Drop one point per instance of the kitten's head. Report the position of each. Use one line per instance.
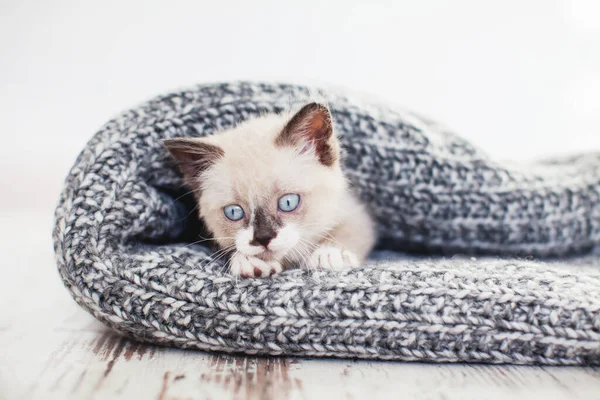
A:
(269, 188)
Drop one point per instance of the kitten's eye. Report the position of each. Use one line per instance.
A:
(289, 202)
(234, 212)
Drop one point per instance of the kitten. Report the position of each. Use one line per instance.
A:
(273, 194)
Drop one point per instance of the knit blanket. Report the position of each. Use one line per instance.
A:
(479, 261)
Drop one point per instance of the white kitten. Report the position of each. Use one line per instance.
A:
(272, 193)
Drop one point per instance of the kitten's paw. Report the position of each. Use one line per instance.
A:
(249, 267)
(350, 259)
(329, 257)
(276, 267)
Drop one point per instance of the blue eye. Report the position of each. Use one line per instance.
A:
(234, 212)
(289, 202)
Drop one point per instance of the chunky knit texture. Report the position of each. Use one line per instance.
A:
(123, 221)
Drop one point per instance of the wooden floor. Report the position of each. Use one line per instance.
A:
(51, 349)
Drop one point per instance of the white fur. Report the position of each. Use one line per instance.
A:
(287, 238)
(242, 242)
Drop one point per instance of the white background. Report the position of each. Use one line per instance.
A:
(519, 78)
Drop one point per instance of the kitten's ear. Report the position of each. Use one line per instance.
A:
(311, 129)
(193, 155)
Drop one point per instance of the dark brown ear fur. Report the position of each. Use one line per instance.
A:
(193, 156)
(312, 127)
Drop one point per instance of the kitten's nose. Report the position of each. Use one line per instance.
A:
(264, 229)
(262, 238)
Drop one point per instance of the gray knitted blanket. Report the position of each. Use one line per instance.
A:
(124, 228)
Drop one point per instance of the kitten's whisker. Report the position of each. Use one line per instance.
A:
(213, 258)
(330, 238)
(227, 264)
(305, 253)
(311, 246)
(215, 254)
(209, 239)
(217, 259)
(218, 255)
(190, 213)
(180, 197)
(223, 250)
(297, 254)
(310, 225)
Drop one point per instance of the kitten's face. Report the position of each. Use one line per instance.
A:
(270, 187)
